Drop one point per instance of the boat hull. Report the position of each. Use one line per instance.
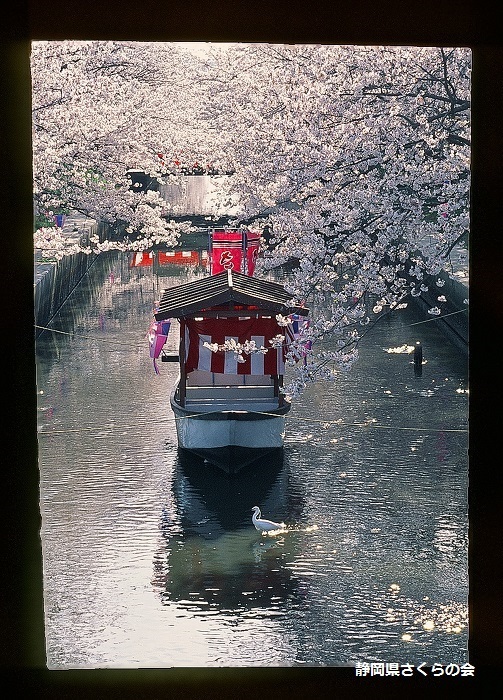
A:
(230, 439)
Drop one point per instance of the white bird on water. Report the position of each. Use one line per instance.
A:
(264, 525)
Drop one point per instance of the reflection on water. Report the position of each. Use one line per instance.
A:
(151, 558)
(211, 555)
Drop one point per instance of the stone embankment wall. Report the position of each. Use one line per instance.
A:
(454, 320)
(55, 280)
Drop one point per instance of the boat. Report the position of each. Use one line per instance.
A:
(228, 405)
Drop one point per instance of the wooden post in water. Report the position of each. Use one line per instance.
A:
(418, 359)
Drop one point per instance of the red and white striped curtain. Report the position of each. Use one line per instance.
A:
(261, 330)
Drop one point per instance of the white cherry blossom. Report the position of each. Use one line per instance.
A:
(353, 161)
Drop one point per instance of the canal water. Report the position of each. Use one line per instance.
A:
(151, 560)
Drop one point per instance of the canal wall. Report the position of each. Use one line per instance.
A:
(453, 320)
(54, 280)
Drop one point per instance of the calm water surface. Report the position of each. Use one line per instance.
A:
(152, 561)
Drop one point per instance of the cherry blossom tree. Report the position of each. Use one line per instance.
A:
(101, 109)
(354, 161)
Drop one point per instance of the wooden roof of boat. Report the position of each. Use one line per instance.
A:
(226, 294)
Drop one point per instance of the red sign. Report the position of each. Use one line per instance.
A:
(180, 257)
(141, 260)
(252, 250)
(226, 251)
(234, 250)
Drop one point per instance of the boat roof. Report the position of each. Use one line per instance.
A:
(227, 293)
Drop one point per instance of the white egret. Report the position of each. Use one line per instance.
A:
(264, 525)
